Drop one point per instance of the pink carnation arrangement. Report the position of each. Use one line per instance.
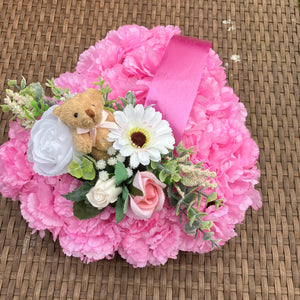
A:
(153, 196)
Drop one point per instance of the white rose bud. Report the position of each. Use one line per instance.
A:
(104, 193)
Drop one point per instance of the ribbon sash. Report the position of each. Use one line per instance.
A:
(103, 124)
(176, 81)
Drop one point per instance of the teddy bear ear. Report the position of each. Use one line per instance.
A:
(57, 111)
(95, 94)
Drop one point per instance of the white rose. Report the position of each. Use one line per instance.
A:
(103, 193)
(51, 145)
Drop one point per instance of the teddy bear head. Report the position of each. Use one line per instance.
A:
(84, 110)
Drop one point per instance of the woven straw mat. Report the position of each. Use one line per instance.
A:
(41, 39)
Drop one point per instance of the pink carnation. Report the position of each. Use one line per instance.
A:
(150, 241)
(16, 171)
(92, 239)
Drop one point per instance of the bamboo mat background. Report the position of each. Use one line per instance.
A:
(41, 39)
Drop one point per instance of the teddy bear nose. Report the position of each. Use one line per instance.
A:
(90, 113)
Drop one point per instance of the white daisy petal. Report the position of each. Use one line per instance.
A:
(143, 158)
(126, 151)
(129, 112)
(134, 161)
(120, 119)
(154, 154)
(149, 115)
(139, 112)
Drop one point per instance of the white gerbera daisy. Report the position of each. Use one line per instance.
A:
(142, 135)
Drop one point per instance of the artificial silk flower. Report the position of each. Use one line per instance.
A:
(104, 193)
(153, 195)
(141, 134)
(50, 147)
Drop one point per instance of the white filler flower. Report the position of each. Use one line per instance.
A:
(142, 135)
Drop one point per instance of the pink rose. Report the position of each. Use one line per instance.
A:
(153, 198)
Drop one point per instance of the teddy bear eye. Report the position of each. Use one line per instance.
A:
(76, 115)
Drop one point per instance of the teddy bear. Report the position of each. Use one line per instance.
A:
(90, 122)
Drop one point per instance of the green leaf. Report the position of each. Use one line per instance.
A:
(208, 236)
(5, 108)
(80, 193)
(119, 106)
(135, 191)
(190, 229)
(212, 197)
(35, 90)
(206, 225)
(119, 209)
(120, 173)
(162, 175)
(86, 165)
(125, 197)
(12, 83)
(192, 220)
(109, 109)
(84, 211)
(190, 197)
(130, 98)
(89, 175)
(176, 177)
(27, 114)
(23, 83)
(74, 169)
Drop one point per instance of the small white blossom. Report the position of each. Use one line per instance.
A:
(235, 58)
(226, 22)
(129, 172)
(120, 157)
(112, 161)
(111, 151)
(103, 175)
(101, 164)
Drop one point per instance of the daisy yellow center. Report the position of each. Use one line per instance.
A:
(139, 137)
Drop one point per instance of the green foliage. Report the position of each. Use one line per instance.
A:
(104, 89)
(79, 194)
(129, 99)
(186, 184)
(82, 167)
(35, 90)
(58, 93)
(28, 104)
(120, 173)
(13, 83)
(122, 204)
(83, 210)
(134, 191)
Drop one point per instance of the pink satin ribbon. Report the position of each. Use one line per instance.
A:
(175, 84)
(102, 124)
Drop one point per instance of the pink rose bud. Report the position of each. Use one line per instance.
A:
(153, 196)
